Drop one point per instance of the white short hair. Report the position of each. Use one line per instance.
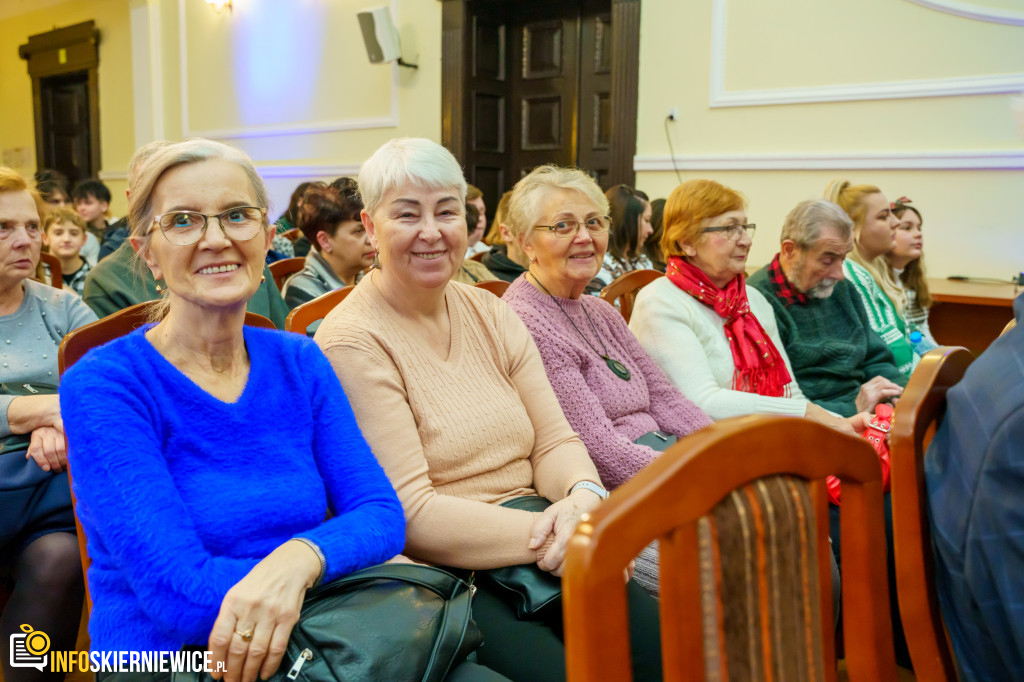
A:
(529, 193)
(409, 160)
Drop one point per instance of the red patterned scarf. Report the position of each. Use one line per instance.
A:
(759, 366)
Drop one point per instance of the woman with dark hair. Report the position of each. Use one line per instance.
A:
(630, 212)
(908, 266)
(341, 251)
(289, 220)
(652, 247)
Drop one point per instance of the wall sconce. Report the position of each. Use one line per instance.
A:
(219, 5)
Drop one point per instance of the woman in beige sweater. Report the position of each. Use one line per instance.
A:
(450, 392)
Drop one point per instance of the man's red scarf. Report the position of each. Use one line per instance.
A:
(759, 366)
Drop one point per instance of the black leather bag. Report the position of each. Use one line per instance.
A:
(20, 442)
(386, 622)
(531, 590)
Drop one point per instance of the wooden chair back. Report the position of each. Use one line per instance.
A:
(56, 275)
(678, 500)
(282, 269)
(479, 256)
(625, 287)
(302, 316)
(919, 411)
(292, 234)
(77, 343)
(495, 286)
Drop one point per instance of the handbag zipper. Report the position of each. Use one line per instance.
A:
(306, 655)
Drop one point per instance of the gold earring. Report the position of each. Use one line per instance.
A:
(263, 278)
(159, 289)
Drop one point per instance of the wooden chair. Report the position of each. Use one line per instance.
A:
(495, 286)
(735, 489)
(302, 316)
(51, 261)
(78, 342)
(625, 287)
(919, 411)
(479, 256)
(292, 234)
(281, 269)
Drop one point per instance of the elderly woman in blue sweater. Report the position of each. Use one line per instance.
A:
(205, 520)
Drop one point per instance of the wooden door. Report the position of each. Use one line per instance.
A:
(545, 86)
(64, 113)
(531, 82)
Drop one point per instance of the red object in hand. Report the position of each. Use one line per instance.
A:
(876, 433)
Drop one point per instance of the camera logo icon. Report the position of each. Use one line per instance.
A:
(29, 649)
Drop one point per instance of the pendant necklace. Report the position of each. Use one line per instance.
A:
(617, 368)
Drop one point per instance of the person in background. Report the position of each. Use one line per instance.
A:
(652, 247)
(506, 259)
(631, 227)
(116, 282)
(330, 220)
(205, 525)
(471, 271)
(289, 220)
(412, 349)
(64, 236)
(906, 259)
(475, 198)
(975, 482)
(53, 188)
(874, 236)
(613, 394)
(38, 545)
(92, 201)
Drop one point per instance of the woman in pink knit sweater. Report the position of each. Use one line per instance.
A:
(613, 394)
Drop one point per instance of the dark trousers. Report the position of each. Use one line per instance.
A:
(899, 640)
(533, 651)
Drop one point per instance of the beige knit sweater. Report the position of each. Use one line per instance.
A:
(456, 435)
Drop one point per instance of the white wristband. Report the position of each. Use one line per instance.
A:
(592, 487)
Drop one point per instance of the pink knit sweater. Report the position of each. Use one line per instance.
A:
(607, 412)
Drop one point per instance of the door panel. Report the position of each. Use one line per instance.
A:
(66, 125)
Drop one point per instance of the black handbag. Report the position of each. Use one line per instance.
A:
(386, 622)
(19, 442)
(530, 589)
(656, 440)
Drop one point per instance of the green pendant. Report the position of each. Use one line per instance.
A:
(617, 368)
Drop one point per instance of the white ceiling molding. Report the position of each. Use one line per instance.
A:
(304, 128)
(719, 96)
(873, 160)
(969, 10)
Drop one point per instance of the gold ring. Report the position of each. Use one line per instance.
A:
(246, 635)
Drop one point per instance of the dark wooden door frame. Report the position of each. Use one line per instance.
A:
(63, 51)
(456, 42)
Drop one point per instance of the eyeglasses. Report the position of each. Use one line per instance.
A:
(733, 232)
(184, 228)
(567, 229)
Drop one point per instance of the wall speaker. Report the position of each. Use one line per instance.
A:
(380, 35)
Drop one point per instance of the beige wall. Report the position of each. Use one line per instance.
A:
(115, 80)
(288, 82)
(746, 55)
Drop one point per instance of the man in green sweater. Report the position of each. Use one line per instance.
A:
(839, 361)
(116, 283)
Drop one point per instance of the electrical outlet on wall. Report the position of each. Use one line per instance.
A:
(673, 114)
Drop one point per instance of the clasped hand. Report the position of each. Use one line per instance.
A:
(47, 449)
(554, 527)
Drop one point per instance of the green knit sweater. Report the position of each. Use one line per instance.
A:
(830, 344)
(114, 283)
(883, 317)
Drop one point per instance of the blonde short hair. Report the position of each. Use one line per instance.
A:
(529, 193)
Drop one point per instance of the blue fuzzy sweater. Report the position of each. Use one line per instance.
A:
(181, 494)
